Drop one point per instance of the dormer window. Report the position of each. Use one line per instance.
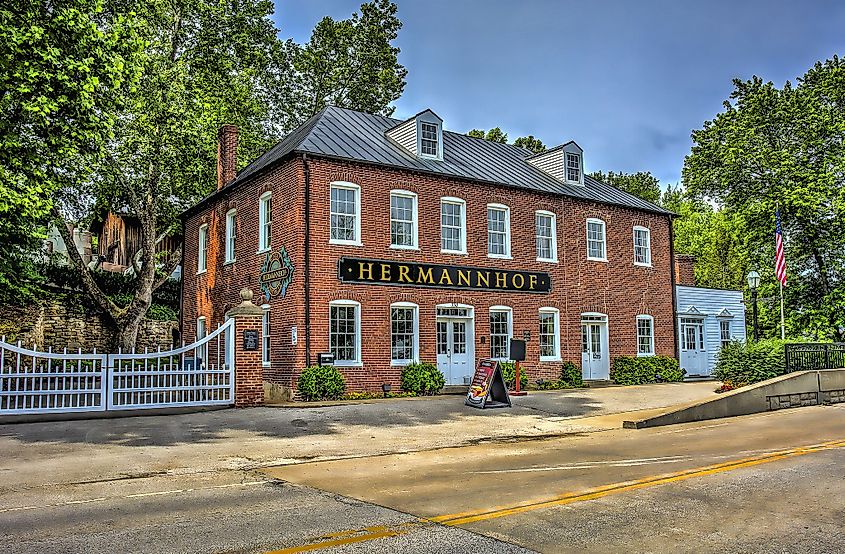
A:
(573, 167)
(428, 139)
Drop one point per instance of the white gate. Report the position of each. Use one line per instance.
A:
(199, 374)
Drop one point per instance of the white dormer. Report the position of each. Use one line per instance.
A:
(565, 163)
(421, 135)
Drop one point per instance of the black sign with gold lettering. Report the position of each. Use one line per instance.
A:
(386, 272)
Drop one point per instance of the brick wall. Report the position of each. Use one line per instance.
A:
(617, 287)
(685, 270)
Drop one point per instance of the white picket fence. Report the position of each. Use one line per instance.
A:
(38, 382)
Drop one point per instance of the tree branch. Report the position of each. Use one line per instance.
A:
(169, 267)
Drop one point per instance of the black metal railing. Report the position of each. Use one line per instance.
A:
(804, 356)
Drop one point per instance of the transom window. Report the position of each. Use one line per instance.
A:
(500, 332)
(202, 249)
(546, 231)
(345, 214)
(403, 333)
(453, 225)
(642, 246)
(453, 312)
(498, 231)
(645, 335)
(573, 167)
(596, 248)
(265, 336)
(345, 331)
(549, 334)
(403, 219)
(428, 139)
(725, 332)
(231, 234)
(265, 221)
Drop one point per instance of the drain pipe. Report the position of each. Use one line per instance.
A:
(674, 281)
(307, 252)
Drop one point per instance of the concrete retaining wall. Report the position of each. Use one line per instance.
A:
(802, 388)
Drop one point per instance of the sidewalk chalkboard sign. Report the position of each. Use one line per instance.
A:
(488, 388)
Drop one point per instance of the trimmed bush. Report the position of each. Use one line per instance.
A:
(422, 378)
(743, 363)
(630, 370)
(570, 375)
(321, 382)
(509, 373)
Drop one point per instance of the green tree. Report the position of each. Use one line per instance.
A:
(493, 135)
(642, 183)
(784, 147)
(64, 67)
(534, 144)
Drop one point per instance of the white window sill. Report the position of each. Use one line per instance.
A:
(201, 271)
(266, 364)
(456, 252)
(400, 247)
(348, 364)
(596, 259)
(547, 260)
(641, 265)
(550, 358)
(346, 242)
(263, 250)
(229, 262)
(400, 363)
(500, 256)
(645, 354)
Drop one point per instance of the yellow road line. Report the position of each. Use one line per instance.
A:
(462, 518)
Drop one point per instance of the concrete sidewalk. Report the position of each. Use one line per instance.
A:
(38, 454)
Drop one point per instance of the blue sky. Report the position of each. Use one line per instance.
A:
(628, 80)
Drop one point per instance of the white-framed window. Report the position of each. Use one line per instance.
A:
(573, 167)
(231, 234)
(645, 335)
(265, 335)
(403, 219)
(201, 352)
(596, 240)
(429, 140)
(265, 221)
(725, 332)
(345, 332)
(498, 231)
(545, 224)
(642, 246)
(202, 249)
(345, 225)
(404, 333)
(501, 331)
(549, 334)
(453, 225)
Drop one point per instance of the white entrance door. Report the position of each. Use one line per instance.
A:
(595, 361)
(693, 354)
(455, 352)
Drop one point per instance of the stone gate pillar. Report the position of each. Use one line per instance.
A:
(249, 372)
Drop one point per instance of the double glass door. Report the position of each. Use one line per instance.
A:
(595, 362)
(453, 350)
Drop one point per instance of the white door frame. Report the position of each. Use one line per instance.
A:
(455, 375)
(590, 368)
(693, 360)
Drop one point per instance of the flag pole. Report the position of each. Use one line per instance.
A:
(782, 325)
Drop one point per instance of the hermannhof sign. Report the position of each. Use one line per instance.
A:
(386, 272)
(276, 274)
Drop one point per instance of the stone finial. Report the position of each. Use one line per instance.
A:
(246, 294)
(246, 307)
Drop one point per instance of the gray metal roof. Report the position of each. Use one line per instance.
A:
(357, 136)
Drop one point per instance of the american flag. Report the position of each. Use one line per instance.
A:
(780, 259)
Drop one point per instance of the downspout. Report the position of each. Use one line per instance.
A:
(307, 252)
(674, 281)
(182, 290)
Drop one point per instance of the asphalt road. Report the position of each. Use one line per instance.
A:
(766, 483)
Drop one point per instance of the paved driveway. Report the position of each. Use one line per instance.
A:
(35, 454)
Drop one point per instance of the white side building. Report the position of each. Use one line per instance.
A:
(707, 319)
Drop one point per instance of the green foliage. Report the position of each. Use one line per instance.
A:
(570, 374)
(497, 135)
(370, 395)
(743, 363)
(508, 370)
(641, 184)
(630, 370)
(534, 144)
(321, 383)
(422, 378)
(781, 146)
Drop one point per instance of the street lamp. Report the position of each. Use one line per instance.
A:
(753, 283)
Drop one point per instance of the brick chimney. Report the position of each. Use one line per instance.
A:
(227, 155)
(685, 270)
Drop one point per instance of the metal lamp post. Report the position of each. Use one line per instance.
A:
(753, 283)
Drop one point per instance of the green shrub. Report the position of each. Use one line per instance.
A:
(630, 370)
(743, 363)
(321, 383)
(369, 395)
(508, 370)
(570, 374)
(422, 378)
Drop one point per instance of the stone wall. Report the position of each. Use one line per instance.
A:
(58, 326)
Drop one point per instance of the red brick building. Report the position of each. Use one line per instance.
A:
(385, 241)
